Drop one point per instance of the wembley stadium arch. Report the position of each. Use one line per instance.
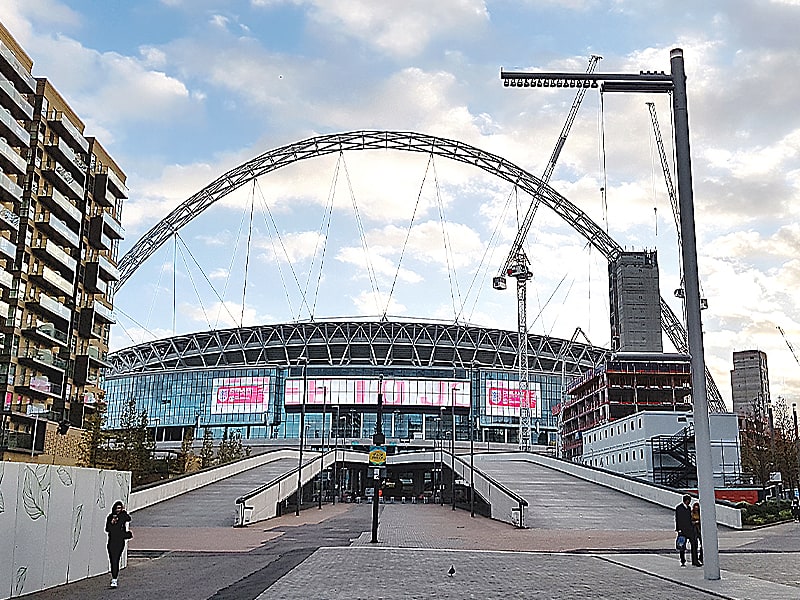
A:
(250, 378)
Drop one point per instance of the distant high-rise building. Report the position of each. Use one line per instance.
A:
(61, 199)
(635, 302)
(750, 382)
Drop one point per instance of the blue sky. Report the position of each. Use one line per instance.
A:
(180, 91)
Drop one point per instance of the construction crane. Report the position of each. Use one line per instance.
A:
(517, 266)
(788, 343)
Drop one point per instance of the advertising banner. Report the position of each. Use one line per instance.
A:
(240, 395)
(503, 398)
(396, 392)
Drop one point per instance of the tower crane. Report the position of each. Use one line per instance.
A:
(788, 343)
(517, 265)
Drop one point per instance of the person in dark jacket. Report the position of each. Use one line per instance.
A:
(698, 532)
(685, 527)
(118, 534)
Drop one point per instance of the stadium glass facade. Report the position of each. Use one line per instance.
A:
(266, 402)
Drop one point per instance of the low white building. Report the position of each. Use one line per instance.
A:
(659, 446)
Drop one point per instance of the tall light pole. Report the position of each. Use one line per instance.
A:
(322, 453)
(674, 83)
(453, 447)
(796, 444)
(378, 439)
(472, 439)
(303, 360)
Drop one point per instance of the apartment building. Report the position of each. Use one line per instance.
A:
(61, 198)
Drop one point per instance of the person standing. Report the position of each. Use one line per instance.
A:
(698, 533)
(118, 534)
(684, 527)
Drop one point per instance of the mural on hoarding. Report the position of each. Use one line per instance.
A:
(240, 395)
(502, 398)
(396, 392)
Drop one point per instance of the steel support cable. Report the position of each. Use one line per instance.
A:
(485, 270)
(325, 228)
(408, 234)
(274, 249)
(153, 301)
(233, 255)
(191, 279)
(135, 322)
(448, 250)
(364, 245)
(381, 140)
(174, 283)
(247, 255)
(604, 189)
(208, 281)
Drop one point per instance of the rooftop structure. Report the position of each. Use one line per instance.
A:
(635, 302)
(750, 382)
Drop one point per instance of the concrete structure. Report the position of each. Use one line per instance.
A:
(658, 446)
(635, 302)
(61, 196)
(750, 382)
(625, 384)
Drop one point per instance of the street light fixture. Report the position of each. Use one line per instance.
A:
(303, 360)
(675, 84)
(453, 447)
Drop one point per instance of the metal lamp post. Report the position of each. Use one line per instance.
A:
(322, 452)
(304, 361)
(796, 444)
(453, 447)
(674, 83)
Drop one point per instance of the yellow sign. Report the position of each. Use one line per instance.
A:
(377, 455)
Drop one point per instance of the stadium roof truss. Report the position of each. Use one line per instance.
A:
(348, 344)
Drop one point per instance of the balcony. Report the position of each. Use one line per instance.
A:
(11, 161)
(14, 133)
(5, 307)
(40, 387)
(51, 253)
(64, 154)
(9, 191)
(102, 312)
(52, 281)
(115, 184)
(7, 248)
(62, 180)
(8, 220)
(6, 279)
(86, 366)
(44, 360)
(92, 282)
(61, 124)
(15, 102)
(52, 307)
(13, 70)
(47, 333)
(62, 206)
(57, 229)
(109, 225)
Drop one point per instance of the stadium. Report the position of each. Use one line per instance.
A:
(434, 377)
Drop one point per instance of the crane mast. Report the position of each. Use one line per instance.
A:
(517, 264)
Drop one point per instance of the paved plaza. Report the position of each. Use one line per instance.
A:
(327, 554)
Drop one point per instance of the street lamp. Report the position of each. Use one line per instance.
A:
(453, 447)
(441, 455)
(796, 443)
(303, 360)
(675, 84)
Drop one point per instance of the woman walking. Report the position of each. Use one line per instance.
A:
(118, 534)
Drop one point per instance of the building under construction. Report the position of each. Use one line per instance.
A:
(626, 383)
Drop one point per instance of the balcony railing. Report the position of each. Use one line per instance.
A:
(6, 279)
(63, 180)
(68, 158)
(13, 130)
(9, 191)
(8, 248)
(54, 307)
(57, 228)
(20, 108)
(11, 160)
(13, 69)
(108, 269)
(52, 280)
(64, 127)
(8, 220)
(52, 250)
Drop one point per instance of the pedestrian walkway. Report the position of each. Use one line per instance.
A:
(327, 554)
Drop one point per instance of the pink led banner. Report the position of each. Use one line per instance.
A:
(503, 398)
(240, 395)
(396, 392)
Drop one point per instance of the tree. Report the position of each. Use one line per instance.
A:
(132, 444)
(186, 457)
(230, 448)
(94, 441)
(785, 443)
(757, 456)
(207, 450)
